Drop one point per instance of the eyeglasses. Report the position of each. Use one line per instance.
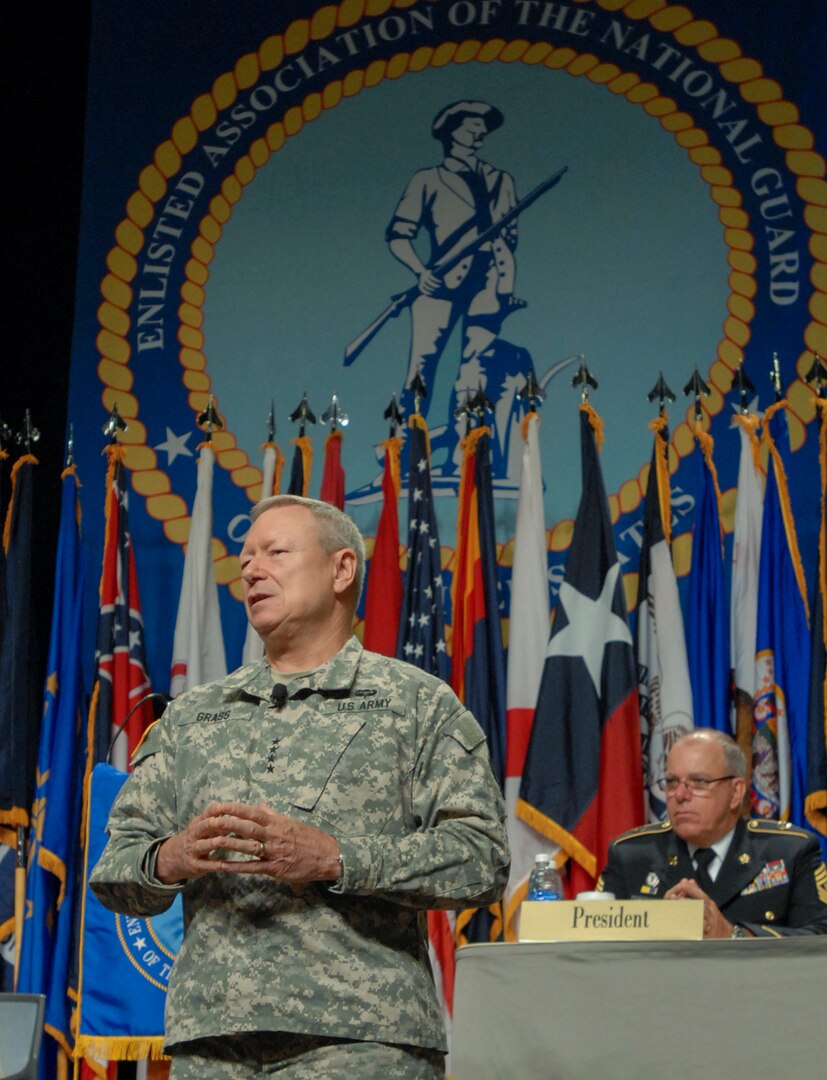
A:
(698, 785)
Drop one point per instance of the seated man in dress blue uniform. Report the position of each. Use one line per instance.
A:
(757, 878)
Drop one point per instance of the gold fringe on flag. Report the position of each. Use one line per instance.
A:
(750, 424)
(16, 816)
(277, 471)
(784, 499)
(122, 1047)
(393, 449)
(465, 916)
(658, 425)
(9, 838)
(115, 455)
(54, 865)
(707, 445)
(416, 420)
(524, 426)
(469, 450)
(64, 1047)
(71, 470)
(596, 422)
(569, 843)
(22, 460)
(306, 447)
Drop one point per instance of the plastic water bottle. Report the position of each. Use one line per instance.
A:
(544, 882)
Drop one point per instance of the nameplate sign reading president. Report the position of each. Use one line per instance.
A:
(611, 920)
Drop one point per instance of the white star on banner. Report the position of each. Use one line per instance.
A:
(592, 625)
(175, 446)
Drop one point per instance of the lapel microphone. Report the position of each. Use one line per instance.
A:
(278, 697)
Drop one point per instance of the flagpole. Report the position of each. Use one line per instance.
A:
(29, 435)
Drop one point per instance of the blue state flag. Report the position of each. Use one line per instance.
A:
(707, 637)
(478, 659)
(782, 655)
(816, 802)
(125, 961)
(54, 837)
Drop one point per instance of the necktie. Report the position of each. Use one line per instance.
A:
(703, 857)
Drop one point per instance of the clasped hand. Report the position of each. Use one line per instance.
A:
(715, 925)
(274, 845)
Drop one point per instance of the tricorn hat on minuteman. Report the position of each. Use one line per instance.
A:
(452, 116)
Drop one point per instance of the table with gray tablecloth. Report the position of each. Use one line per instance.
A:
(558, 1011)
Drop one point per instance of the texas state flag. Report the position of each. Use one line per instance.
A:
(582, 782)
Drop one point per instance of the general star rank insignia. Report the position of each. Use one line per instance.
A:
(673, 860)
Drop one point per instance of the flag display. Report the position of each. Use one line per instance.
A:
(19, 704)
(746, 556)
(660, 646)
(333, 475)
(582, 781)
(54, 838)
(119, 713)
(477, 658)
(421, 642)
(815, 806)
(121, 679)
(528, 631)
(198, 646)
(272, 464)
(707, 619)
(125, 961)
(782, 652)
(301, 466)
(383, 592)
(421, 625)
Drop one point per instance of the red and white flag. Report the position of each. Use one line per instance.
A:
(746, 559)
(198, 646)
(527, 640)
(271, 468)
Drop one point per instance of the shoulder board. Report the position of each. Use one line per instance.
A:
(644, 830)
(777, 828)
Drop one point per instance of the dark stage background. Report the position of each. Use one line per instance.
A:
(43, 76)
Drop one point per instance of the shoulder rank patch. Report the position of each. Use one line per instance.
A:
(777, 828)
(644, 830)
(821, 882)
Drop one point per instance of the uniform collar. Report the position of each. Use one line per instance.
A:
(331, 679)
(720, 847)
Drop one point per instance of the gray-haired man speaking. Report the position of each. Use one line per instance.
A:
(310, 807)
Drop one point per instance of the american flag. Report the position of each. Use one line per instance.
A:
(421, 627)
(422, 642)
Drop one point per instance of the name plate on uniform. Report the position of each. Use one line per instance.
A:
(611, 920)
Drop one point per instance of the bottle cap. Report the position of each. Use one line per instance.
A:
(542, 857)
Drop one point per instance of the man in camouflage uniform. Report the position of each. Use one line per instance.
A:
(310, 807)
(757, 879)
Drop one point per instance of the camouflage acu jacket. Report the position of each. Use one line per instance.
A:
(372, 751)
